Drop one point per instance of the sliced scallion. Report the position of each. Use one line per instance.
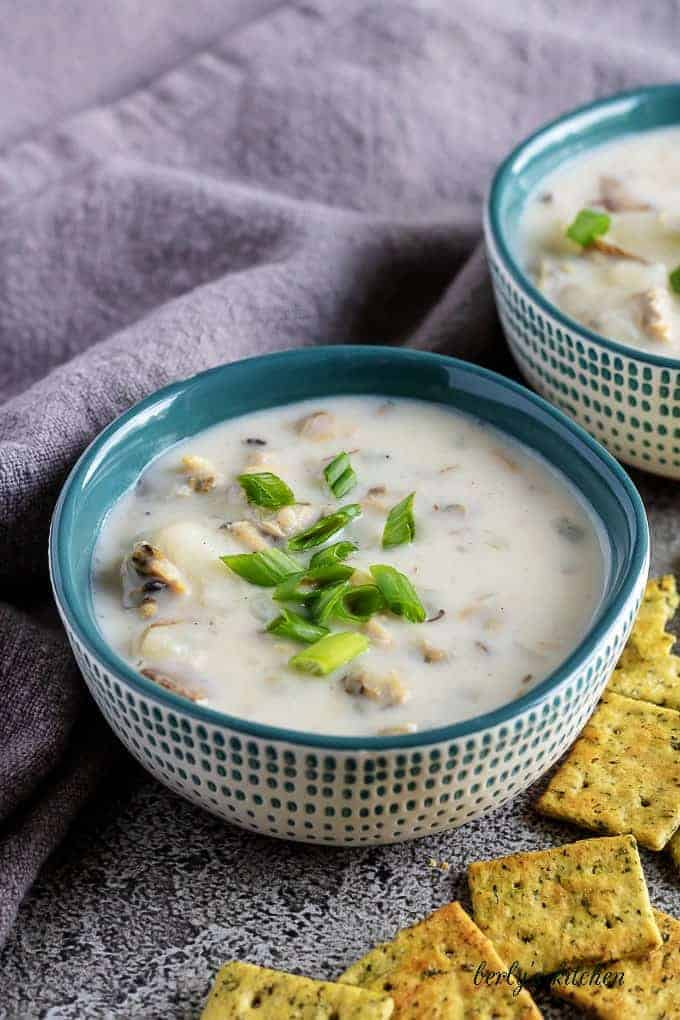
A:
(296, 628)
(674, 279)
(340, 475)
(400, 526)
(399, 594)
(359, 603)
(328, 602)
(324, 528)
(333, 554)
(587, 226)
(304, 586)
(267, 568)
(330, 652)
(265, 489)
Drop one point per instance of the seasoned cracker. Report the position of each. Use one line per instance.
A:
(242, 991)
(647, 988)
(647, 670)
(622, 774)
(581, 902)
(674, 847)
(443, 967)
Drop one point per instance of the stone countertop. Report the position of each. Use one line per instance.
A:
(148, 895)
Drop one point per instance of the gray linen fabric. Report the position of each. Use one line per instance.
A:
(313, 177)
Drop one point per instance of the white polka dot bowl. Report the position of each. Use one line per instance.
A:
(344, 790)
(628, 399)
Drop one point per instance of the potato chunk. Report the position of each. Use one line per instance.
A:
(318, 425)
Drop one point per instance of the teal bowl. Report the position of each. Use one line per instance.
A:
(344, 790)
(626, 398)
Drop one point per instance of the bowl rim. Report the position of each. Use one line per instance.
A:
(494, 229)
(90, 636)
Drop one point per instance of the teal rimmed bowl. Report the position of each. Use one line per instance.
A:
(628, 399)
(344, 790)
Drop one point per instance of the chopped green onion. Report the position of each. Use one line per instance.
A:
(328, 602)
(265, 489)
(304, 586)
(296, 627)
(320, 532)
(340, 475)
(331, 652)
(361, 602)
(587, 226)
(399, 593)
(333, 554)
(400, 526)
(266, 568)
(353, 604)
(674, 279)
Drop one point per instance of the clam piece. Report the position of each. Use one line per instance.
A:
(615, 196)
(170, 684)
(148, 561)
(318, 426)
(613, 250)
(387, 690)
(271, 528)
(378, 632)
(294, 518)
(248, 535)
(202, 473)
(431, 653)
(654, 313)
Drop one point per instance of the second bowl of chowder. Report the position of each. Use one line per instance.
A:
(347, 595)
(583, 239)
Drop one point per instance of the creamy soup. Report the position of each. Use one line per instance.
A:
(617, 276)
(481, 584)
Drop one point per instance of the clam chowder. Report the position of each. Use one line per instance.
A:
(351, 565)
(600, 236)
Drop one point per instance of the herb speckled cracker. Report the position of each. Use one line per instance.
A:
(429, 970)
(585, 901)
(647, 670)
(243, 991)
(650, 987)
(623, 773)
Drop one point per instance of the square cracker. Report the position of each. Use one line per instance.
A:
(439, 969)
(648, 988)
(622, 774)
(581, 902)
(647, 670)
(242, 991)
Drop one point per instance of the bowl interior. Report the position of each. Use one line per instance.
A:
(561, 140)
(116, 458)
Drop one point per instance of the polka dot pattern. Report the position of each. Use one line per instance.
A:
(351, 798)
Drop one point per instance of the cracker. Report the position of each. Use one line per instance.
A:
(647, 670)
(581, 902)
(644, 989)
(438, 969)
(674, 847)
(242, 991)
(622, 774)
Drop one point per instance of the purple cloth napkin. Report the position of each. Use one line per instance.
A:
(314, 177)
